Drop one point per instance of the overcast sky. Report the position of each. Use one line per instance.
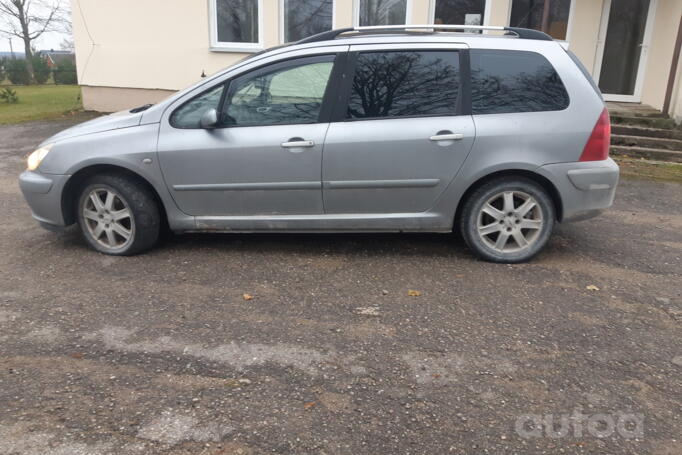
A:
(50, 40)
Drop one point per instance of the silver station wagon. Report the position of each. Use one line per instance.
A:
(495, 132)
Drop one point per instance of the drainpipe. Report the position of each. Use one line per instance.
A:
(673, 70)
(545, 16)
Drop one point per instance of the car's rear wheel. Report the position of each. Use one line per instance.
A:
(118, 215)
(508, 219)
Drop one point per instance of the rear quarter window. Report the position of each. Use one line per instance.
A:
(514, 81)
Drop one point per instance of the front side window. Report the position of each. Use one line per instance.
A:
(458, 12)
(404, 84)
(236, 21)
(189, 114)
(382, 12)
(531, 14)
(514, 81)
(303, 18)
(289, 94)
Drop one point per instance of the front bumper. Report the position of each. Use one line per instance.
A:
(43, 192)
(585, 187)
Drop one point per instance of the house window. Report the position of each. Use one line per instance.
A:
(235, 24)
(303, 18)
(381, 12)
(532, 14)
(459, 12)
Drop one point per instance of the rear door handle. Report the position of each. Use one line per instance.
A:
(297, 144)
(447, 137)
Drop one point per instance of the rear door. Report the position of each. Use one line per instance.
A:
(398, 137)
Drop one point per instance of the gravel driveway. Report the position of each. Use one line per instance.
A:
(350, 344)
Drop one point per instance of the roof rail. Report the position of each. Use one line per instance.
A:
(523, 33)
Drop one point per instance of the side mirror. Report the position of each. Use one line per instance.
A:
(209, 119)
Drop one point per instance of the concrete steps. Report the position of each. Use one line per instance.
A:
(646, 142)
(642, 132)
(648, 122)
(672, 156)
(635, 130)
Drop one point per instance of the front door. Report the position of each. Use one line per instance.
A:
(264, 156)
(398, 140)
(623, 48)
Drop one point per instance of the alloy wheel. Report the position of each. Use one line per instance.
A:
(108, 219)
(510, 221)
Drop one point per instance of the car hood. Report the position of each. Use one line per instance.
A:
(122, 119)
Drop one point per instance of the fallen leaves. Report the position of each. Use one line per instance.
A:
(413, 293)
(591, 287)
(237, 382)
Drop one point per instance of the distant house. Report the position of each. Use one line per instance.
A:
(54, 58)
(7, 54)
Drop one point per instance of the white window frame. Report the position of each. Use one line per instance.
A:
(636, 97)
(356, 12)
(569, 25)
(486, 12)
(281, 19)
(221, 46)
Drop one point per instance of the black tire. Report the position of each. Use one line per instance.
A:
(144, 224)
(473, 206)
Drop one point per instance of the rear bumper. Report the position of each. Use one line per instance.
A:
(43, 192)
(585, 188)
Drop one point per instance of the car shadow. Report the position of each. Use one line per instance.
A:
(362, 244)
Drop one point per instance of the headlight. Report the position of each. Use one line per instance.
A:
(35, 158)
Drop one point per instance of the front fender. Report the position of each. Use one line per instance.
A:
(133, 149)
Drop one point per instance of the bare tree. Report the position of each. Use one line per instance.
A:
(28, 20)
(67, 43)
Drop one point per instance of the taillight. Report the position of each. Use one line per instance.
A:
(597, 147)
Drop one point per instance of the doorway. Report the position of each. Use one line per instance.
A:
(623, 48)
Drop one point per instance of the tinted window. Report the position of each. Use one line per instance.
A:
(188, 115)
(237, 21)
(531, 14)
(286, 95)
(302, 18)
(514, 81)
(402, 84)
(469, 12)
(382, 12)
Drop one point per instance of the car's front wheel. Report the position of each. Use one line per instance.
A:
(508, 219)
(118, 215)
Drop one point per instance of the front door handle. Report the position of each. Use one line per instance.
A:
(447, 137)
(297, 144)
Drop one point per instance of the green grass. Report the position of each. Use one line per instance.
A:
(41, 102)
(650, 170)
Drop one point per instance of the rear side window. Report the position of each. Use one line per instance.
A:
(404, 84)
(514, 81)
